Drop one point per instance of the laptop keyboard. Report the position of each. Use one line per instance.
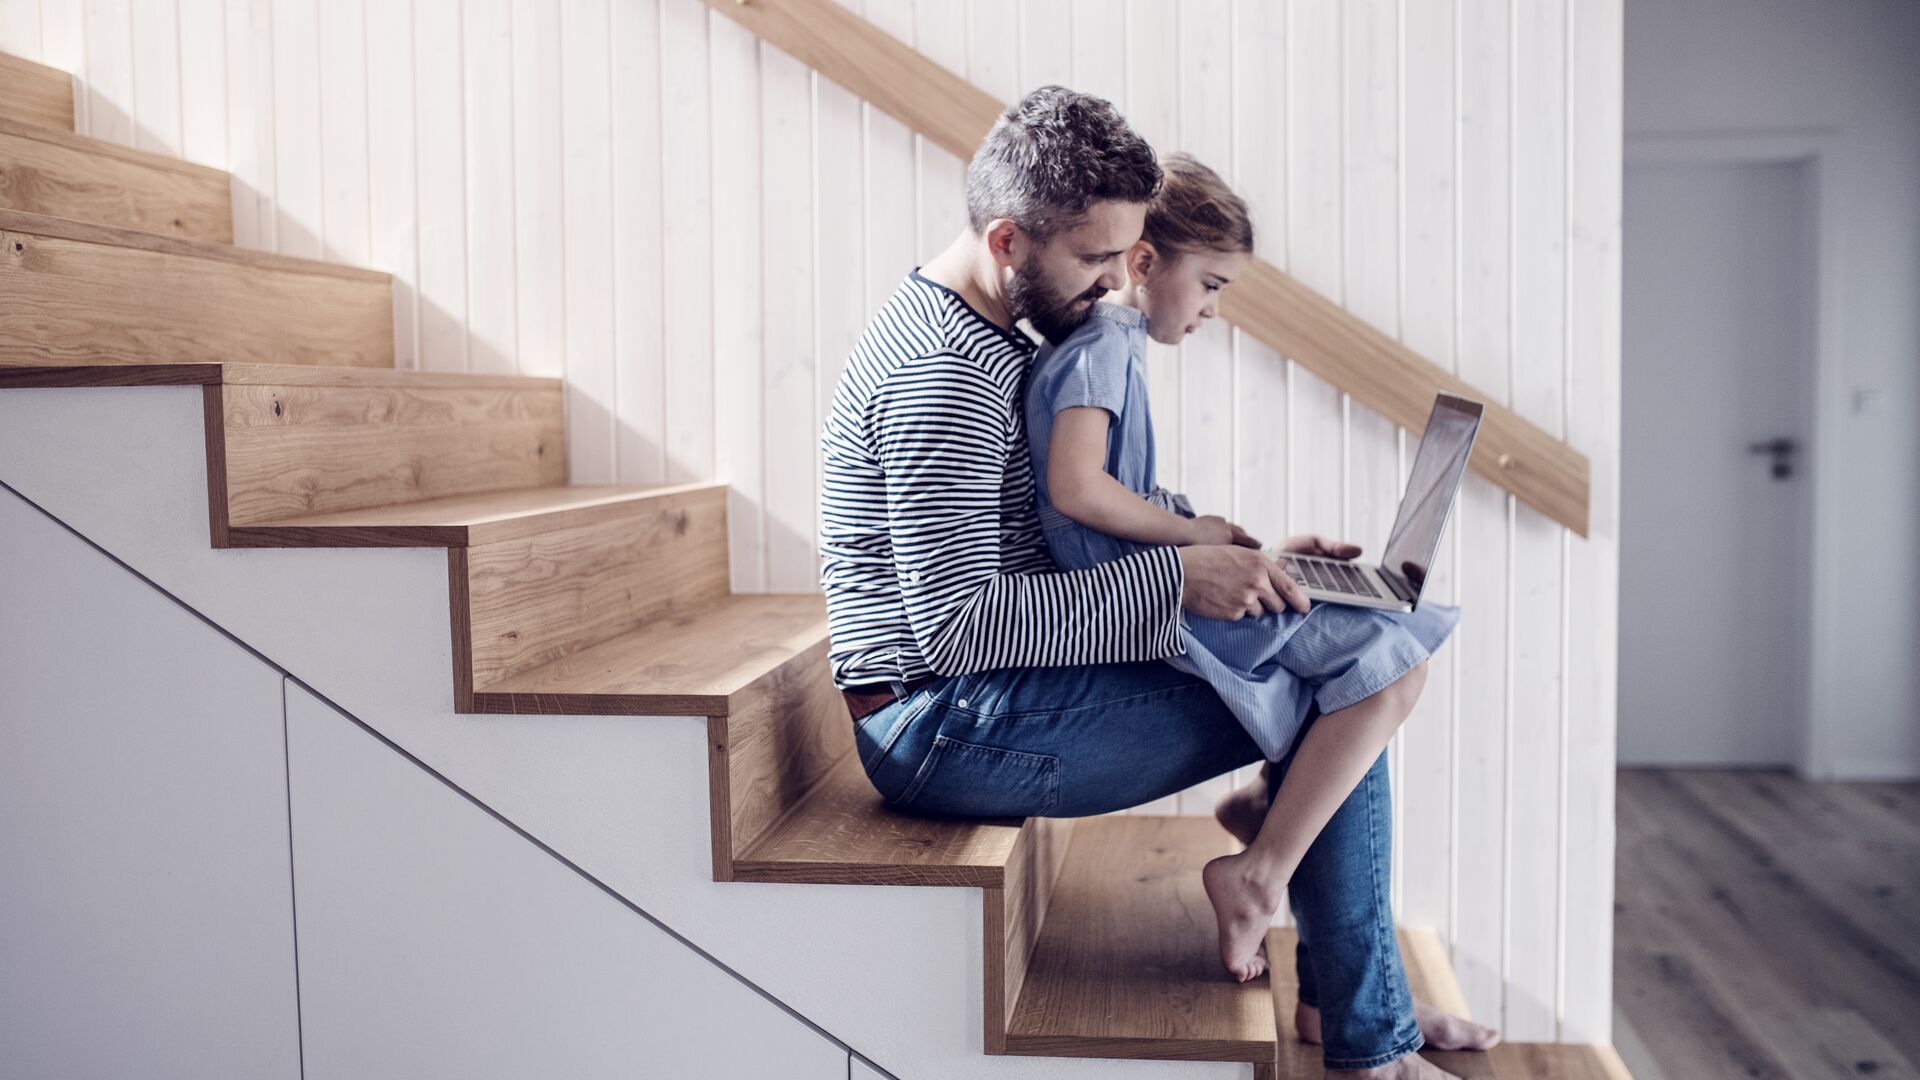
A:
(1330, 575)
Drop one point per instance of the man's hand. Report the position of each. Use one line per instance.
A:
(1229, 582)
(1311, 544)
(1214, 529)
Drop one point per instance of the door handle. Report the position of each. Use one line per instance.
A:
(1781, 449)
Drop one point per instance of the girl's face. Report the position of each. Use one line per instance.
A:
(1182, 292)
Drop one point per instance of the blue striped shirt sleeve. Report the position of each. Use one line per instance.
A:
(945, 431)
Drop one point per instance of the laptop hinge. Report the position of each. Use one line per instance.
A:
(1394, 582)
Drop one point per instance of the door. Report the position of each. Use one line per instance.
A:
(1715, 496)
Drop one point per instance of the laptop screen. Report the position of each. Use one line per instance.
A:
(1437, 467)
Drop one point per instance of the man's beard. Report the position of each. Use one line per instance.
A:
(1030, 298)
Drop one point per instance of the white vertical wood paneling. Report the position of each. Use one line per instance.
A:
(344, 132)
(539, 226)
(1428, 738)
(1539, 208)
(586, 173)
(1315, 253)
(392, 188)
(203, 82)
(1098, 43)
(693, 229)
(20, 28)
(839, 240)
(738, 336)
(1044, 24)
(300, 218)
(493, 322)
(106, 49)
(890, 182)
(440, 171)
(1484, 71)
(788, 274)
(687, 254)
(249, 121)
(639, 268)
(940, 30)
(156, 76)
(1590, 659)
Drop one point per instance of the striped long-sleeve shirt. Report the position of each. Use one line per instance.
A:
(931, 554)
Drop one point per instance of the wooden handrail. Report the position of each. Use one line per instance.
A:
(1268, 303)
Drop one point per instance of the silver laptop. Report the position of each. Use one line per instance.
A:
(1396, 582)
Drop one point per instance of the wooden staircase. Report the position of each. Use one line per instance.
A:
(570, 600)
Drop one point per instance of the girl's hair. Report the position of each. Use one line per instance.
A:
(1195, 210)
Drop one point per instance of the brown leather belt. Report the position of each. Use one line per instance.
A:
(865, 699)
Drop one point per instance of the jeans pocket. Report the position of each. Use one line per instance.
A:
(966, 779)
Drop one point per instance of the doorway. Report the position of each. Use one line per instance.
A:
(1717, 383)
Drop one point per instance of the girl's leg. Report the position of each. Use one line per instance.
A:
(1335, 753)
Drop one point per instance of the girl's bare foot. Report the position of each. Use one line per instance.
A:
(1244, 904)
(1443, 1031)
(1242, 811)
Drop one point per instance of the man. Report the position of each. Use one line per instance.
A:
(948, 619)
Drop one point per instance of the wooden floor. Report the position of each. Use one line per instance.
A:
(1766, 926)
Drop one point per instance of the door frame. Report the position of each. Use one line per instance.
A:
(1815, 148)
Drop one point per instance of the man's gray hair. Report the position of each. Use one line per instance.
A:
(1050, 157)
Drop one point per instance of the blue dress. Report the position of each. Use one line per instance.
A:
(1269, 670)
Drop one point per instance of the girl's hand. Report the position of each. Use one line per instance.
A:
(1210, 529)
(1311, 544)
(1213, 529)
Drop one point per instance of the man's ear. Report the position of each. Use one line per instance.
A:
(1140, 260)
(1006, 242)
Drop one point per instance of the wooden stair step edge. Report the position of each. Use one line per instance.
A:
(51, 171)
(470, 519)
(718, 656)
(618, 609)
(80, 293)
(314, 444)
(35, 93)
(1124, 963)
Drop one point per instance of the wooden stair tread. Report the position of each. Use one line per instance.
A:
(465, 520)
(1126, 964)
(116, 236)
(842, 832)
(35, 93)
(688, 662)
(51, 171)
(217, 372)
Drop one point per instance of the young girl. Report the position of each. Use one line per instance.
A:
(1091, 441)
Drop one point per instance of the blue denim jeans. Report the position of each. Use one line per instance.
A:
(1075, 741)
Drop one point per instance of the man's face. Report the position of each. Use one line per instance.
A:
(1055, 286)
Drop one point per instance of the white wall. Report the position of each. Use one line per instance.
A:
(1836, 79)
(146, 902)
(211, 872)
(692, 228)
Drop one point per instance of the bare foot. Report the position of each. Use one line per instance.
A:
(1443, 1031)
(1405, 1067)
(1244, 905)
(1242, 811)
